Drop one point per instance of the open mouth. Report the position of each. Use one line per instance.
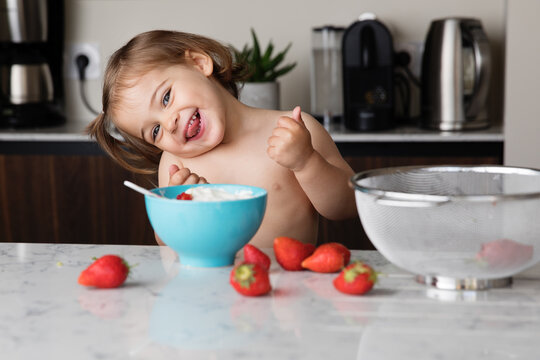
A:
(193, 126)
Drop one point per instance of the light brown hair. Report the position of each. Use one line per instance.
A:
(141, 54)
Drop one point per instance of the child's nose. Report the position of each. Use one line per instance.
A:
(170, 124)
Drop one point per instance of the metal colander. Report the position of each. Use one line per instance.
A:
(455, 226)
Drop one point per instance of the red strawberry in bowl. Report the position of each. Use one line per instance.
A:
(109, 271)
(184, 196)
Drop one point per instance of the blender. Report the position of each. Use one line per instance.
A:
(326, 76)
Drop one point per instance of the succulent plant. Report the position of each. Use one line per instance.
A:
(262, 66)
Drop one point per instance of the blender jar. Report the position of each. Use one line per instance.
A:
(326, 76)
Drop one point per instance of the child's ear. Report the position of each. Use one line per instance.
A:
(202, 61)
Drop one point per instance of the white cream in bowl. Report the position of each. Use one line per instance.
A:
(201, 193)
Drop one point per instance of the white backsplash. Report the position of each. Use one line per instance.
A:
(111, 23)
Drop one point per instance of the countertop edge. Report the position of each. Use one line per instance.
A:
(75, 132)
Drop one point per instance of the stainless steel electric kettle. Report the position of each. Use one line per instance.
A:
(455, 75)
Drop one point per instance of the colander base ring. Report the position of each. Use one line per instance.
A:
(447, 283)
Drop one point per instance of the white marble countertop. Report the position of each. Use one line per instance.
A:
(74, 131)
(70, 131)
(165, 311)
(411, 133)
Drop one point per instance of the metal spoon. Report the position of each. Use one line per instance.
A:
(141, 190)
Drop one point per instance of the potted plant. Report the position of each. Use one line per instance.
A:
(261, 88)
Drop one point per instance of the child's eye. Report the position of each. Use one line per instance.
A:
(155, 132)
(166, 97)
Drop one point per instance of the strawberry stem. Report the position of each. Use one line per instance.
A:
(244, 275)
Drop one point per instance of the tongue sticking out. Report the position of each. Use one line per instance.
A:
(193, 127)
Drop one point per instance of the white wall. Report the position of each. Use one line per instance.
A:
(111, 23)
(522, 125)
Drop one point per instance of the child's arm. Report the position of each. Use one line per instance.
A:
(316, 162)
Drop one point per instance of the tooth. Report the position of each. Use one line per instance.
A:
(194, 117)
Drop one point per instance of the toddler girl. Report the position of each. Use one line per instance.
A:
(172, 97)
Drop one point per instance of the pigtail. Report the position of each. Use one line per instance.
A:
(129, 152)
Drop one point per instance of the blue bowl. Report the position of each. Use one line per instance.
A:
(206, 233)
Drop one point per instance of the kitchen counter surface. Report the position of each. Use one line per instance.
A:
(415, 134)
(74, 131)
(165, 310)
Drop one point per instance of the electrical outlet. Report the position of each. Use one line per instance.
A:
(91, 50)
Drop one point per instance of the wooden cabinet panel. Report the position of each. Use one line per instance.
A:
(82, 199)
(70, 199)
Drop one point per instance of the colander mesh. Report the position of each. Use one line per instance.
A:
(458, 181)
(444, 239)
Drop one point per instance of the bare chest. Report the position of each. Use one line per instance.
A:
(246, 164)
(288, 210)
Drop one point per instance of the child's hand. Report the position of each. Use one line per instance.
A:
(290, 143)
(183, 176)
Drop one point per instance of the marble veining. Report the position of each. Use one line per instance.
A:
(166, 309)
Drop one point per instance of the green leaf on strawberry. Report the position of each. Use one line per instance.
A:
(250, 279)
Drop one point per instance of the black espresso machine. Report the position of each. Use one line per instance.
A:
(31, 51)
(368, 75)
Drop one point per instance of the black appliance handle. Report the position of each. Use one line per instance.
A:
(368, 49)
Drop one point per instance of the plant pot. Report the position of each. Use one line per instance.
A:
(263, 95)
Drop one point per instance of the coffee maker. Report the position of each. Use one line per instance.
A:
(31, 48)
(456, 69)
(368, 75)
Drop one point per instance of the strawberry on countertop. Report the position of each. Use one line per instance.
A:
(109, 271)
(291, 252)
(342, 249)
(250, 279)
(254, 255)
(328, 258)
(357, 278)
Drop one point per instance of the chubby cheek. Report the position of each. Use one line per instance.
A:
(213, 133)
(216, 137)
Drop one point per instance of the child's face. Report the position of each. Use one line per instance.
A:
(178, 109)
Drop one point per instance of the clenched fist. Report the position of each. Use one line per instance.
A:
(290, 142)
(183, 176)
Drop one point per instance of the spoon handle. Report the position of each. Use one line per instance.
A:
(139, 189)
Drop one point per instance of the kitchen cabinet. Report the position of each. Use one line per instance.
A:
(73, 193)
(70, 199)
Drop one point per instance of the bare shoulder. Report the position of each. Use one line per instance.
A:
(167, 159)
(311, 123)
(319, 135)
